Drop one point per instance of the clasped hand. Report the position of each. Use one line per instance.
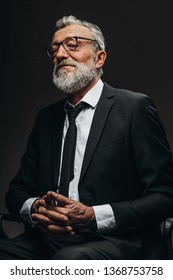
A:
(57, 214)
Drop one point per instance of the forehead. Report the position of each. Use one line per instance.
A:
(72, 30)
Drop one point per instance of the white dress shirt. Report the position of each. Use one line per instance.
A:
(104, 214)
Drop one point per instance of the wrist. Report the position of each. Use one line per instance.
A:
(92, 221)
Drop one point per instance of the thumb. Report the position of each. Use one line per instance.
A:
(61, 199)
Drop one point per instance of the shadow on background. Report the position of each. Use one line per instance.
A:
(139, 47)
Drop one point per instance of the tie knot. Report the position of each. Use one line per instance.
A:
(74, 111)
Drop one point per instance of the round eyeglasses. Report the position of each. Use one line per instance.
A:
(69, 44)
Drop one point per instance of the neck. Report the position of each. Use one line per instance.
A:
(75, 97)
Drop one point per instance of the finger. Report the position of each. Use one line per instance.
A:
(48, 200)
(62, 200)
(42, 202)
(41, 219)
(53, 215)
(59, 209)
(45, 196)
(50, 195)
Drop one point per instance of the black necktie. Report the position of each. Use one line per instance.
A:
(67, 167)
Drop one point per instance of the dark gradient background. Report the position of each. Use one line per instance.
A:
(139, 47)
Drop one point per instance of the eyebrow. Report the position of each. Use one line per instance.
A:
(78, 37)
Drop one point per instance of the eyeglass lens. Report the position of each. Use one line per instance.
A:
(69, 44)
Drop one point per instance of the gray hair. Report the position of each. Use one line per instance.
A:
(95, 30)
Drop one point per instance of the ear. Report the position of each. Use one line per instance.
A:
(100, 58)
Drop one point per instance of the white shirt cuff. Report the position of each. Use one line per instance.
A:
(25, 212)
(105, 218)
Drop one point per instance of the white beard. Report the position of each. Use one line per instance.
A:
(71, 82)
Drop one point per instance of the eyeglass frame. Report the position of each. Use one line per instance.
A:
(61, 43)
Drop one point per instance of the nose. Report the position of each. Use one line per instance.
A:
(60, 54)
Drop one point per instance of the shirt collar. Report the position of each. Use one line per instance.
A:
(93, 95)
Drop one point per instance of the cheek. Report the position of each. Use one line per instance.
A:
(86, 57)
(90, 62)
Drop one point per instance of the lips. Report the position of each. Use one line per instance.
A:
(65, 65)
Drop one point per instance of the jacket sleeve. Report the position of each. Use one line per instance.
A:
(25, 184)
(154, 168)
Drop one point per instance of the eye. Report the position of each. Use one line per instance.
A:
(70, 43)
(54, 48)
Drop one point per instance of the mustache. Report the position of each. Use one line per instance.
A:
(65, 63)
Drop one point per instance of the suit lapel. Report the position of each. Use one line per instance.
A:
(104, 105)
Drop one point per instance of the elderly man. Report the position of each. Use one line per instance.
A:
(96, 179)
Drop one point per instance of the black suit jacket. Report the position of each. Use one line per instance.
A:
(127, 163)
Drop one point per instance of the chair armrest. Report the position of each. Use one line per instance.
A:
(167, 236)
(6, 217)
